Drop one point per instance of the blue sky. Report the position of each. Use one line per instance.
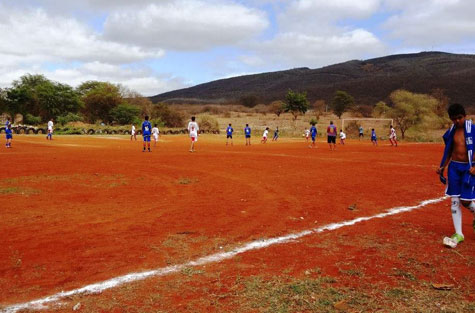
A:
(157, 46)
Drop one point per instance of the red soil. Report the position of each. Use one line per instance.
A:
(79, 210)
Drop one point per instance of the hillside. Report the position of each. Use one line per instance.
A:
(367, 81)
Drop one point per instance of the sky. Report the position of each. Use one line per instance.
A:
(156, 46)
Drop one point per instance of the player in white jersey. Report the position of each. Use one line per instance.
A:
(193, 130)
(264, 135)
(342, 137)
(392, 136)
(307, 134)
(155, 133)
(50, 130)
(133, 134)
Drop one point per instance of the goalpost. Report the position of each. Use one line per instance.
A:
(363, 119)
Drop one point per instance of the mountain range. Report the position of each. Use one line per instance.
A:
(368, 81)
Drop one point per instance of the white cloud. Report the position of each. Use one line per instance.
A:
(296, 49)
(34, 36)
(429, 23)
(186, 25)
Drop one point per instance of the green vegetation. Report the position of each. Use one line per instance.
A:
(341, 102)
(296, 103)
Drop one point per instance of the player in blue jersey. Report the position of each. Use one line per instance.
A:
(458, 156)
(276, 134)
(313, 133)
(9, 135)
(374, 138)
(7, 123)
(247, 134)
(146, 132)
(229, 134)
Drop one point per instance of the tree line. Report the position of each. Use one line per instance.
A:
(39, 99)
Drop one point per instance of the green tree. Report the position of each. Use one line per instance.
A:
(124, 113)
(341, 101)
(296, 103)
(169, 116)
(99, 99)
(38, 96)
(408, 110)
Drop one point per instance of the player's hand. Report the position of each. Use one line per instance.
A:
(441, 170)
(472, 170)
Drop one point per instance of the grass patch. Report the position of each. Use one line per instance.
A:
(187, 180)
(18, 190)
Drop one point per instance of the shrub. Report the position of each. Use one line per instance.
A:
(124, 113)
(32, 120)
(70, 117)
(249, 101)
(170, 117)
(208, 123)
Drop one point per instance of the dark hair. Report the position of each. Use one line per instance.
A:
(313, 123)
(193, 118)
(331, 122)
(247, 125)
(372, 128)
(229, 124)
(146, 117)
(456, 109)
(155, 125)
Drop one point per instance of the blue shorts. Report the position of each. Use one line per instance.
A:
(460, 182)
(146, 137)
(9, 136)
(331, 139)
(229, 136)
(313, 138)
(248, 136)
(374, 139)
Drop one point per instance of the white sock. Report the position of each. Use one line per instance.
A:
(471, 207)
(457, 215)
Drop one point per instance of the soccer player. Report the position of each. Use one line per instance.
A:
(155, 133)
(247, 134)
(307, 134)
(9, 135)
(374, 138)
(264, 135)
(361, 131)
(313, 132)
(133, 135)
(229, 134)
(50, 130)
(193, 130)
(146, 132)
(342, 137)
(458, 155)
(276, 134)
(392, 136)
(7, 123)
(331, 136)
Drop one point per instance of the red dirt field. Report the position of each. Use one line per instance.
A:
(79, 210)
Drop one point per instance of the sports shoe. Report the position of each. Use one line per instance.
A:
(453, 241)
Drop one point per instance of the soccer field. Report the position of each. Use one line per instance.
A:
(263, 228)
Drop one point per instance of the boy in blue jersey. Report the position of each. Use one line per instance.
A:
(9, 135)
(146, 132)
(374, 138)
(7, 123)
(458, 155)
(229, 134)
(276, 134)
(247, 134)
(313, 134)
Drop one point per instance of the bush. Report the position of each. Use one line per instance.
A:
(249, 101)
(208, 123)
(170, 117)
(124, 113)
(70, 117)
(32, 120)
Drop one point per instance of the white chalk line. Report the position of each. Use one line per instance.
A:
(217, 257)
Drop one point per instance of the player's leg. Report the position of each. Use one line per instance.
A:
(454, 190)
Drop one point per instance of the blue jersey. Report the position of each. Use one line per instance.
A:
(8, 133)
(146, 128)
(247, 131)
(373, 134)
(229, 130)
(313, 131)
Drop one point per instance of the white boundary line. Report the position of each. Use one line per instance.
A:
(217, 257)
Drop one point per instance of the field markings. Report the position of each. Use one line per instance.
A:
(99, 287)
